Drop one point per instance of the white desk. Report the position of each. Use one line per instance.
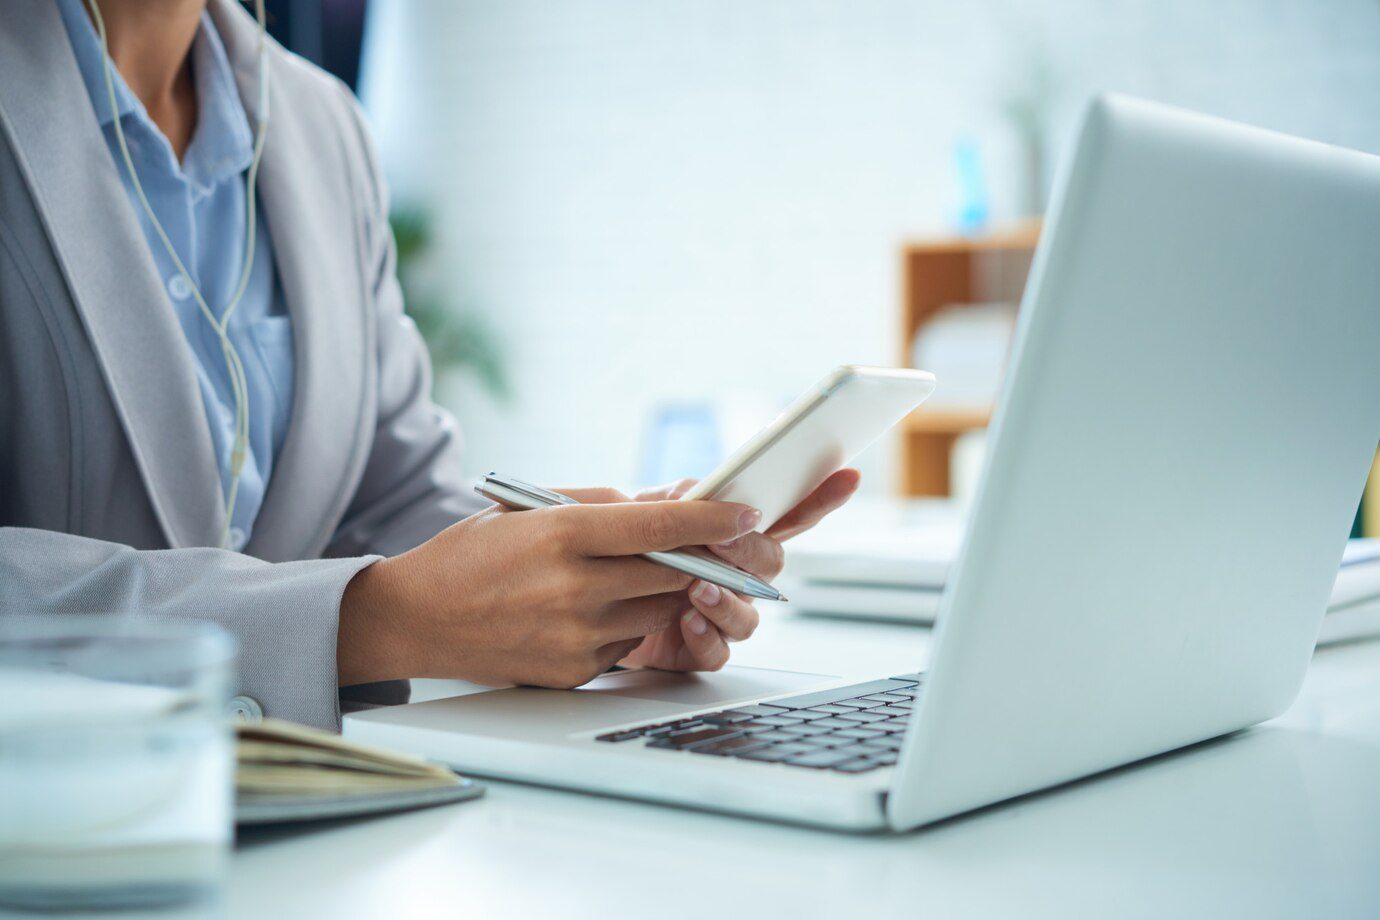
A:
(1281, 821)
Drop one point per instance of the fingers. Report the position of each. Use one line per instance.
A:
(609, 655)
(594, 496)
(629, 528)
(638, 617)
(732, 616)
(704, 648)
(830, 495)
(757, 553)
(669, 491)
(624, 577)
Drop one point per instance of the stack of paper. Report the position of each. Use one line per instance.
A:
(1354, 611)
(876, 559)
(889, 561)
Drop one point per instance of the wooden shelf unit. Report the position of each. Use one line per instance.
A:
(941, 273)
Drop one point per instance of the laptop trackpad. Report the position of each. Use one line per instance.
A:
(694, 691)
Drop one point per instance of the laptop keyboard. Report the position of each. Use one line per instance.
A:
(848, 729)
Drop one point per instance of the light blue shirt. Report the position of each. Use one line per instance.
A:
(201, 204)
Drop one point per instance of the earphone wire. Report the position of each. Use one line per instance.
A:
(234, 366)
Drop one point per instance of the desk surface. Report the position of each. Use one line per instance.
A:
(1279, 821)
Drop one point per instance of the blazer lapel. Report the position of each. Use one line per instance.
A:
(311, 212)
(110, 271)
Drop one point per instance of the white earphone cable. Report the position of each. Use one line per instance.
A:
(234, 367)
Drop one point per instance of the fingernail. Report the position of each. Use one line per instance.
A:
(697, 623)
(706, 593)
(748, 521)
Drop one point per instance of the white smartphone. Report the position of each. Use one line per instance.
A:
(817, 435)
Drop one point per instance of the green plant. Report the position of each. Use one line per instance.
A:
(457, 338)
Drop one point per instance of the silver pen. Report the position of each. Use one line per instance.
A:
(523, 496)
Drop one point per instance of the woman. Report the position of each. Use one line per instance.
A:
(215, 411)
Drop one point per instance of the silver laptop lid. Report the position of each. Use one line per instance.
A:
(1183, 438)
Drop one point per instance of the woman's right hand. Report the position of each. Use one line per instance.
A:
(551, 598)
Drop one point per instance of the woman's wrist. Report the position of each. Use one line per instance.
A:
(370, 640)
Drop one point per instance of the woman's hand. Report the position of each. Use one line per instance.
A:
(712, 616)
(551, 597)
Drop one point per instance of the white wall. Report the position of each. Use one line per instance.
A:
(659, 200)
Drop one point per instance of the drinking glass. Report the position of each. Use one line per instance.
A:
(116, 761)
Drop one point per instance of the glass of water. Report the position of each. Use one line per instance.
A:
(116, 761)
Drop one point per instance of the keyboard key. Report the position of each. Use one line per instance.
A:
(829, 709)
(895, 696)
(772, 734)
(885, 760)
(823, 697)
(868, 747)
(687, 737)
(852, 746)
(761, 709)
(685, 725)
(807, 728)
(858, 765)
(863, 717)
(657, 730)
(893, 711)
(729, 746)
(777, 720)
(864, 702)
(838, 721)
(772, 754)
(808, 715)
(620, 736)
(825, 741)
(751, 727)
(795, 747)
(725, 718)
(819, 759)
(861, 734)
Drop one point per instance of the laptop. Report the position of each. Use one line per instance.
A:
(1182, 439)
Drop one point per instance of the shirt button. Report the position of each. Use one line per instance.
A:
(244, 709)
(237, 538)
(179, 287)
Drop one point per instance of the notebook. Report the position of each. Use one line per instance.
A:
(289, 772)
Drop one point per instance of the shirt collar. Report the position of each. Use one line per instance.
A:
(86, 45)
(222, 143)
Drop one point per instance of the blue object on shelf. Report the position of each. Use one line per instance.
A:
(973, 209)
(682, 440)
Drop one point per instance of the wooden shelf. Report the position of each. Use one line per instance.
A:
(946, 421)
(937, 274)
(1022, 234)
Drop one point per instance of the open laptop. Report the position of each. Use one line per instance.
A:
(1191, 410)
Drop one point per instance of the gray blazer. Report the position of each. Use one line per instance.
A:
(110, 499)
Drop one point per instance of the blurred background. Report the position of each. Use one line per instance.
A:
(633, 229)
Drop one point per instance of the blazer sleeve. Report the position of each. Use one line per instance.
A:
(287, 663)
(412, 487)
